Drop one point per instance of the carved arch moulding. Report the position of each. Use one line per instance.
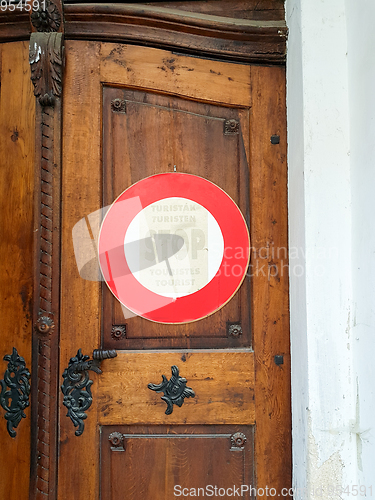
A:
(256, 38)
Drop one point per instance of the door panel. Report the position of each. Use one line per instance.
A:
(154, 69)
(158, 133)
(158, 462)
(223, 384)
(175, 108)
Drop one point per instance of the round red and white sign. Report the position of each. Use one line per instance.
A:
(174, 248)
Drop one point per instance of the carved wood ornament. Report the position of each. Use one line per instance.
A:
(46, 61)
(46, 57)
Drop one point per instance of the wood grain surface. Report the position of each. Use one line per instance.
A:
(158, 459)
(239, 9)
(223, 384)
(80, 299)
(269, 269)
(175, 74)
(17, 143)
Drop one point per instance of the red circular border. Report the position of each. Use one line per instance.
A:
(127, 288)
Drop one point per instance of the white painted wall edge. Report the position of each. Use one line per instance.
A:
(327, 441)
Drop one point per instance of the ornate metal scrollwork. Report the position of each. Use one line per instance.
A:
(175, 390)
(15, 390)
(76, 385)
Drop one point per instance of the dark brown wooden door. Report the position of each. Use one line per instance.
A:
(131, 112)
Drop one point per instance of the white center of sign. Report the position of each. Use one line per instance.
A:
(174, 247)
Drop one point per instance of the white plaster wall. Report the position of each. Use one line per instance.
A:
(361, 44)
(299, 350)
(324, 397)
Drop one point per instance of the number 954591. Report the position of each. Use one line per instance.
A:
(22, 5)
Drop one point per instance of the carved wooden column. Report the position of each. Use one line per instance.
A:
(46, 62)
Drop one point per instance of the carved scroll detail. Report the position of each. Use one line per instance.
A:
(46, 62)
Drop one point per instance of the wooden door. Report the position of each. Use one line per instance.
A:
(131, 112)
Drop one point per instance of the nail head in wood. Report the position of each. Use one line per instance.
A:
(279, 359)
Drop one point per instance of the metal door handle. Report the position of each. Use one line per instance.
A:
(175, 390)
(76, 385)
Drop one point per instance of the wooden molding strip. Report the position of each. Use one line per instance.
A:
(192, 33)
(213, 36)
(14, 26)
(46, 63)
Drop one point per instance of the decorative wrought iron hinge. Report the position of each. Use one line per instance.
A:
(15, 390)
(175, 390)
(76, 385)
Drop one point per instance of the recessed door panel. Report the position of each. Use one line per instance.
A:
(162, 462)
(147, 133)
